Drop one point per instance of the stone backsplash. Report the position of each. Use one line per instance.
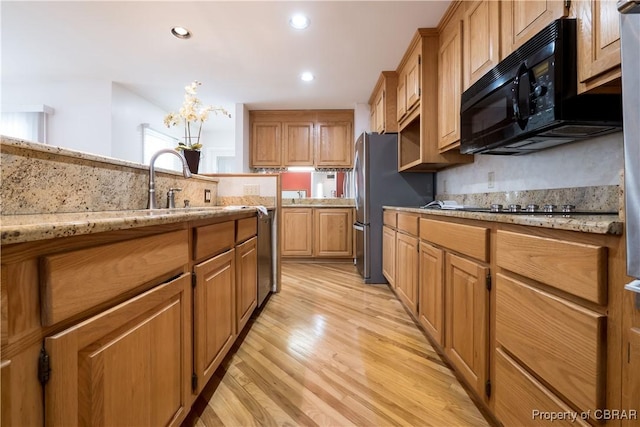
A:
(39, 178)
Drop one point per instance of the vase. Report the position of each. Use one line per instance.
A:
(193, 159)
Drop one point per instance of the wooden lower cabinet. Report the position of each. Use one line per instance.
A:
(521, 400)
(130, 365)
(246, 281)
(297, 232)
(214, 314)
(317, 232)
(467, 319)
(407, 272)
(431, 291)
(389, 254)
(333, 232)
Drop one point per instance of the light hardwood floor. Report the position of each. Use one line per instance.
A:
(331, 351)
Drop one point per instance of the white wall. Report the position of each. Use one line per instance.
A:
(593, 162)
(128, 112)
(243, 156)
(216, 143)
(82, 119)
(361, 119)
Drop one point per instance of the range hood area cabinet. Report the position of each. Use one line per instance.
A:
(317, 138)
(417, 108)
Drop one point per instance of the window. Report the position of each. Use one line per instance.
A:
(28, 122)
(152, 142)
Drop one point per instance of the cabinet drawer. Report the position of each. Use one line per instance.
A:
(408, 223)
(246, 228)
(389, 218)
(519, 397)
(213, 239)
(76, 281)
(576, 268)
(465, 239)
(563, 343)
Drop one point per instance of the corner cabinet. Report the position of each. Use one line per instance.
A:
(417, 107)
(320, 138)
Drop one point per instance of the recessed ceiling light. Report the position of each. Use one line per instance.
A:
(181, 32)
(307, 76)
(299, 21)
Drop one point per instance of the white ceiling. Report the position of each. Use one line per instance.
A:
(242, 51)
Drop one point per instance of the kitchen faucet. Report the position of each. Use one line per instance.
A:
(152, 175)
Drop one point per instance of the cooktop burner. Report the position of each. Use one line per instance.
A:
(566, 210)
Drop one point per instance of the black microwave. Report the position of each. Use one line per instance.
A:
(529, 101)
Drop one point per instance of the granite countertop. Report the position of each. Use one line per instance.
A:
(33, 227)
(597, 224)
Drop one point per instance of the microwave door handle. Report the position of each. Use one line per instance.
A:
(515, 96)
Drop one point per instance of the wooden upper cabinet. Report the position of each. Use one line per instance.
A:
(598, 43)
(266, 144)
(401, 96)
(298, 143)
(413, 79)
(521, 20)
(410, 80)
(383, 103)
(282, 138)
(450, 82)
(481, 35)
(334, 147)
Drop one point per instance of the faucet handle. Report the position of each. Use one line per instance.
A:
(171, 199)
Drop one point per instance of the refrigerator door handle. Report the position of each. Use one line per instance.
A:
(358, 227)
(634, 286)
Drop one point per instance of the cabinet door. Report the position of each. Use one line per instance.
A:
(431, 291)
(297, 232)
(521, 20)
(380, 112)
(450, 85)
(598, 43)
(333, 232)
(467, 319)
(413, 79)
(631, 376)
(481, 39)
(246, 281)
(214, 314)
(407, 272)
(401, 100)
(298, 143)
(334, 144)
(130, 365)
(389, 255)
(266, 144)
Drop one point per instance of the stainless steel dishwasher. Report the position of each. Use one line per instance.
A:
(265, 256)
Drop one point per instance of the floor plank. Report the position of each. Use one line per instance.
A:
(331, 351)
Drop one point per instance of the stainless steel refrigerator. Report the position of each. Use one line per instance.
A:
(630, 52)
(378, 183)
